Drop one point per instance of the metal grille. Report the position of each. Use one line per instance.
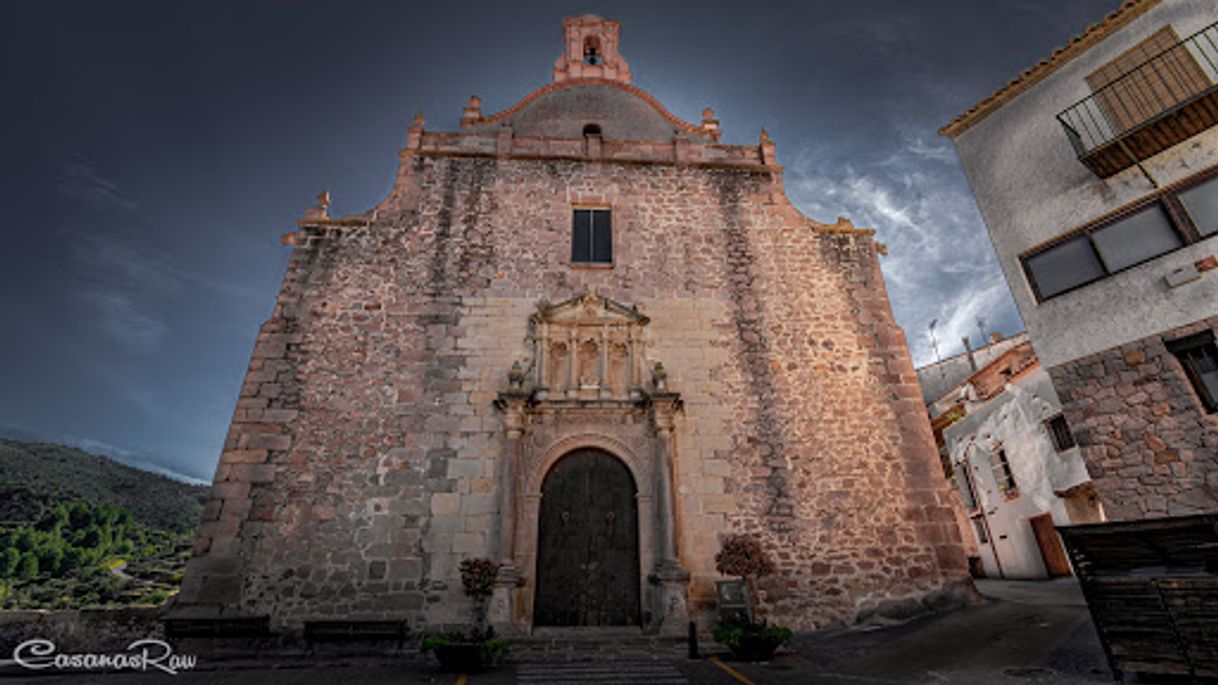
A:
(1173, 77)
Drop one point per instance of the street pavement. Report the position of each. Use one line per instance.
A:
(1027, 632)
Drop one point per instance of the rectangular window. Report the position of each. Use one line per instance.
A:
(1165, 221)
(591, 237)
(1064, 266)
(965, 483)
(1002, 473)
(1059, 430)
(1201, 203)
(1135, 239)
(979, 526)
(1199, 357)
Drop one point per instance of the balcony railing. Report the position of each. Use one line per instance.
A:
(1163, 101)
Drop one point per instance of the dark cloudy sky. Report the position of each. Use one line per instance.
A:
(152, 153)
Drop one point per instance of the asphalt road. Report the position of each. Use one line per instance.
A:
(1035, 632)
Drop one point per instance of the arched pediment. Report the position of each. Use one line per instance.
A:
(562, 110)
(590, 308)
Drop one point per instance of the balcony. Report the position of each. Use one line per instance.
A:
(1145, 109)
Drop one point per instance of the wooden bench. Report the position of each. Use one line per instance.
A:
(355, 631)
(248, 628)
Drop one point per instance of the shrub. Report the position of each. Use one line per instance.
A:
(742, 556)
(478, 577)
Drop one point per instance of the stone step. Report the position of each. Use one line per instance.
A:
(605, 673)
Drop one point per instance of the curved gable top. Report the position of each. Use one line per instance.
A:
(563, 109)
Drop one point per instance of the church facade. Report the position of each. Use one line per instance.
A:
(585, 339)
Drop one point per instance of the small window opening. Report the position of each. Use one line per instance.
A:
(1059, 430)
(1199, 357)
(591, 237)
(592, 54)
(592, 130)
(1002, 473)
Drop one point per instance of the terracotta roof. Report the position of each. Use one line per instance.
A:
(1127, 12)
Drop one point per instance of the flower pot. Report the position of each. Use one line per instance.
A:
(460, 657)
(756, 647)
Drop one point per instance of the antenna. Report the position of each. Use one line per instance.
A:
(981, 329)
(933, 342)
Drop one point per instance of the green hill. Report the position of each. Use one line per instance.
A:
(34, 476)
(78, 530)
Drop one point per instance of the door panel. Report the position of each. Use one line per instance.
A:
(588, 548)
(1050, 546)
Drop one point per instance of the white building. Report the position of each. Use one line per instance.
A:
(1016, 465)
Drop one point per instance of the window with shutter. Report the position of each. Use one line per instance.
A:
(1147, 79)
(591, 237)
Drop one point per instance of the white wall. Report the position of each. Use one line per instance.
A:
(1014, 420)
(1030, 188)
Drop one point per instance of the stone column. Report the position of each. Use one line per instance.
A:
(669, 579)
(503, 603)
(572, 388)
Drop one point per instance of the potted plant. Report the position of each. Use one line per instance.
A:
(750, 640)
(480, 647)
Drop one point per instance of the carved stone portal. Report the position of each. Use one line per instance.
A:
(589, 386)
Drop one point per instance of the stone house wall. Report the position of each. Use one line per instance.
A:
(1148, 442)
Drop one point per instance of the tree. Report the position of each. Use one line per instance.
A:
(9, 560)
(27, 568)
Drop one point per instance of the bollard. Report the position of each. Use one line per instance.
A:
(693, 640)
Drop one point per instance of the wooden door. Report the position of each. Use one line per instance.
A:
(1050, 546)
(588, 544)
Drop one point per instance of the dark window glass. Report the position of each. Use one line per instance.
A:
(1059, 430)
(1135, 239)
(1201, 202)
(1199, 357)
(1064, 266)
(1002, 472)
(581, 236)
(602, 236)
(592, 237)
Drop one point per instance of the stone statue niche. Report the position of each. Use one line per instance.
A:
(588, 348)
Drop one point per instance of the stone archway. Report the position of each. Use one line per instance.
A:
(588, 543)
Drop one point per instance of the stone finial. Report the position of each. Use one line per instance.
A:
(321, 210)
(659, 377)
(472, 111)
(591, 50)
(768, 156)
(709, 123)
(414, 132)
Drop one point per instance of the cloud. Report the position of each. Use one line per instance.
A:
(79, 181)
(123, 321)
(941, 264)
(127, 290)
(128, 457)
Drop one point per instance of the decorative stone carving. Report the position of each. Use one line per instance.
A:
(589, 390)
(587, 348)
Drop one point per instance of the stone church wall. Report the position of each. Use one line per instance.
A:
(362, 461)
